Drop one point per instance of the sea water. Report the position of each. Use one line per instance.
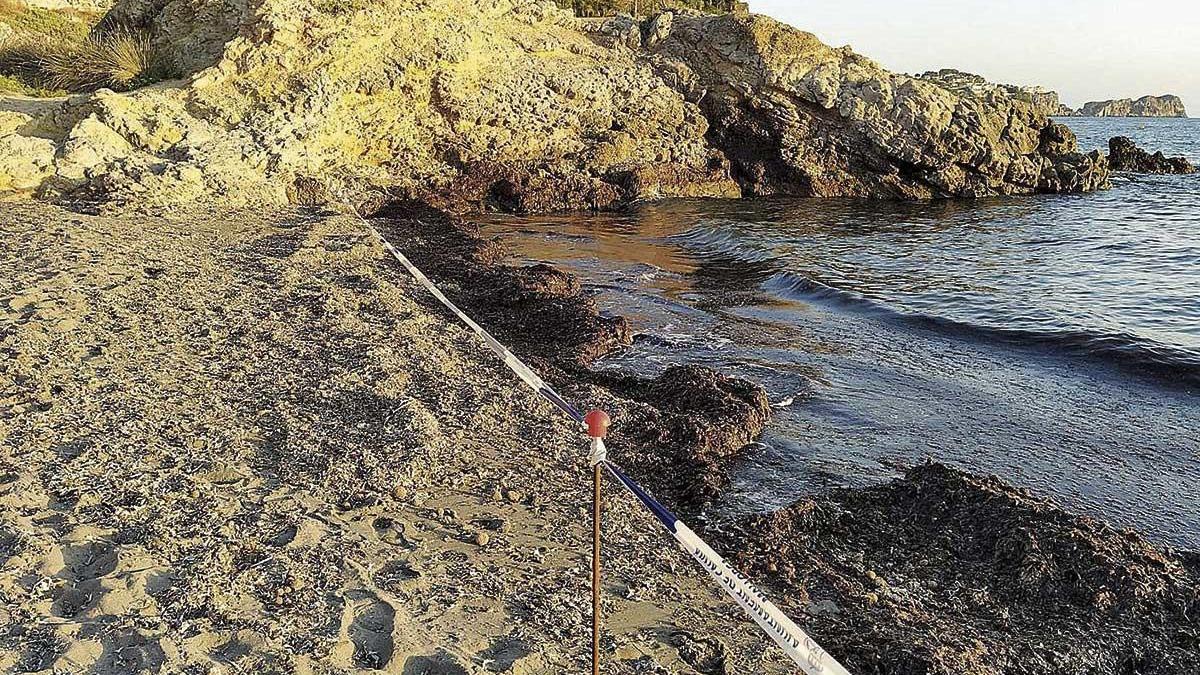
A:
(1051, 340)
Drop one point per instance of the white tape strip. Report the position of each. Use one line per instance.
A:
(795, 642)
(514, 364)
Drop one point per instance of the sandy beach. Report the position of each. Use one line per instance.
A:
(238, 442)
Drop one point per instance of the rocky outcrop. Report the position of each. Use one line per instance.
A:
(797, 117)
(1146, 106)
(1047, 102)
(1043, 100)
(516, 105)
(25, 161)
(1125, 155)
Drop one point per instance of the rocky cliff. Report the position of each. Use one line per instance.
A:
(1043, 100)
(518, 105)
(1146, 106)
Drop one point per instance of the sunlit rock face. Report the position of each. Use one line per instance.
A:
(521, 106)
(798, 117)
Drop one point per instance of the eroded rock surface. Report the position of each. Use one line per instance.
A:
(1125, 155)
(798, 117)
(516, 105)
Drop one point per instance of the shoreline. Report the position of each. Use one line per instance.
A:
(343, 414)
(290, 463)
(1028, 555)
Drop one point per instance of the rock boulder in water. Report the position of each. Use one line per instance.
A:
(1125, 155)
(518, 105)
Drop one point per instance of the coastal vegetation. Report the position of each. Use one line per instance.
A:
(51, 52)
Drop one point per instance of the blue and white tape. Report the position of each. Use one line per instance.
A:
(795, 642)
(514, 364)
(802, 649)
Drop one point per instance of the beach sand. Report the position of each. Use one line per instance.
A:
(248, 442)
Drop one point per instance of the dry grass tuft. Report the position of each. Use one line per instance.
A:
(121, 59)
(24, 57)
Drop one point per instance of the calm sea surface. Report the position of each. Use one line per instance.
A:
(1054, 341)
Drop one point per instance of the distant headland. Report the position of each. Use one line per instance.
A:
(1167, 105)
(1048, 103)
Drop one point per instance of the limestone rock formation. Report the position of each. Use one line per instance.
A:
(25, 161)
(1125, 155)
(515, 104)
(798, 117)
(1146, 106)
(1043, 100)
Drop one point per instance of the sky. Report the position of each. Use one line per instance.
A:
(1086, 51)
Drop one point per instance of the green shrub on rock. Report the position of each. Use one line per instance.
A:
(42, 64)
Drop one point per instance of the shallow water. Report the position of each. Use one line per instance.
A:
(1054, 341)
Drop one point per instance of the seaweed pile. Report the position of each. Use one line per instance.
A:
(947, 572)
(940, 572)
(677, 430)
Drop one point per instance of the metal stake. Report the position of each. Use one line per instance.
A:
(596, 570)
(597, 422)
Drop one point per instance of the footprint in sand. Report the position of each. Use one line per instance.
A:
(71, 601)
(504, 653)
(438, 664)
(88, 560)
(371, 630)
(11, 544)
(129, 653)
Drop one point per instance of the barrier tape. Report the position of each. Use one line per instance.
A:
(514, 364)
(802, 649)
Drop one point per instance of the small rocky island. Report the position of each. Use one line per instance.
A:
(1168, 105)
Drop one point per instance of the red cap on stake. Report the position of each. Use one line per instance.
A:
(597, 422)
